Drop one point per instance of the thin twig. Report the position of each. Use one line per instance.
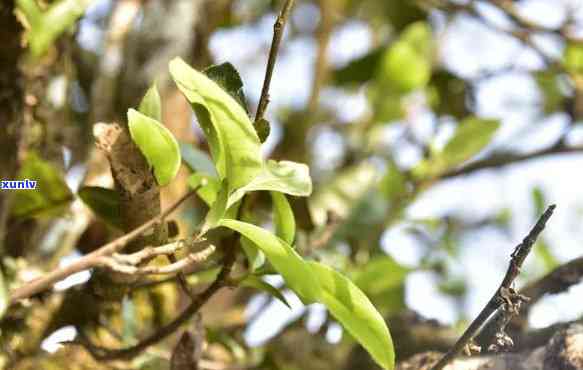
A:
(278, 29)
(222, 279)
(503, 294)
(176, 267)
(503, 159)
(90, 260)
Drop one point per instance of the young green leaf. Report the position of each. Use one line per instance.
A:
(255, 257)
(285, 177)
(356, 313)
(103, 202)
(50, 194)
(217, 211)
(151, 105)
(208, 186)
(295, 271)
(253, 281)
(234, 144)
(285, 223)
(157, 144)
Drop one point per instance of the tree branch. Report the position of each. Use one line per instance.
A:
(106, 354)
(278, 29)
(505, 297)
(507, 158)
(559, 280)
(90, 260)
(120, 265)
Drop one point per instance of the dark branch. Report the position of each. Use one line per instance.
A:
(278, 29)
(505, 296)
(504, 159)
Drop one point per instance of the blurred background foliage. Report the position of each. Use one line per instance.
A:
(435, 132)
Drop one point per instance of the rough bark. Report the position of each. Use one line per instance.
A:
(11, 100)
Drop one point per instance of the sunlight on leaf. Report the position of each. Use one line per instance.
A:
(285, 177)
(234, 144)
(285, 223)
(157, 144)
(356, 313)
(284, 258)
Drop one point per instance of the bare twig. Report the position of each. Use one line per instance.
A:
(503, 159)
(222, 279)
(505, 297)
(90, 260)
(278, 29)
(117, 265)
(559, 280)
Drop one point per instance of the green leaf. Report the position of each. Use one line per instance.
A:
(351, 307)
(217, 211)
(286, 261)
(543, 252)
(197, 160)
(103, 202)
(360, 70)
(234, 144)
(50, 195)
(394, 184)
(208, 186)
(406, 66)
(573, 57)
(538, 198)
(227, 77)
(285, 222)
(379, 275)
(285, 177)
(472, 135)
(342, 193)
(255, 257)
(151, 105)
(313, 282)
(447, 94)
(553, 97)
(48, 25)
(253, 281)
(157, 144)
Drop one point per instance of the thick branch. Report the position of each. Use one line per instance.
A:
(556, 281)
(504, 295)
